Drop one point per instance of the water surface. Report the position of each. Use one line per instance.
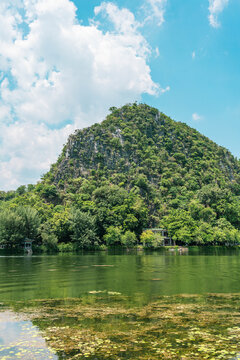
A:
(113, 306)
(135, 275)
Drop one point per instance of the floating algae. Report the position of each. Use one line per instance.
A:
(156, 279)
(103, 265)
(182, 327)
(94, 292)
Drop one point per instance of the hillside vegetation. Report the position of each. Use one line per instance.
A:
(137, 169)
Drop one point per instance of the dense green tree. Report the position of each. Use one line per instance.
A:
(30, 221)
(113, 236)
(129, 239)
(18, 224)
(49, 239)
(61, 224)
(84, 230)
(151, 240)
(11, 228)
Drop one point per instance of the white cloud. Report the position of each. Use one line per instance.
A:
(157, 52)
(123, 19)
(193, 55)
(155, 9)
(28, 149)
(215, 8)
(57, 75)
(165, 90)
(196, 117)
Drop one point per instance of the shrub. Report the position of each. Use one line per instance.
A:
(65, 248)
(129, 239)
(113, 236)
(151, 240)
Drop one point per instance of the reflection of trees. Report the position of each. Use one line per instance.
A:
(64, 276)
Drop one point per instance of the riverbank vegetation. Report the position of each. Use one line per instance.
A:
(138, 169)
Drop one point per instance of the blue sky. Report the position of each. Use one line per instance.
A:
(209, 83)
(64, 63)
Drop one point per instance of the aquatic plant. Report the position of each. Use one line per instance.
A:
(105, 325)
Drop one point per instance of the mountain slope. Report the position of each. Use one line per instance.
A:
(140, 138)
(137, 143)
(138, 169)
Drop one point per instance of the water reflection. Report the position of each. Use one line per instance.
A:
(19, 339)
(145, 275)
(90, 287)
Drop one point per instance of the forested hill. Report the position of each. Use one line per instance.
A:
(137, 142)
(138, 169)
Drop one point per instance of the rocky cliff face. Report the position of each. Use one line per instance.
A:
(137, 140)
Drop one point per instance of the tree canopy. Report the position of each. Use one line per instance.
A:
(137, 169)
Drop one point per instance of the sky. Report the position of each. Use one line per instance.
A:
(64, 63)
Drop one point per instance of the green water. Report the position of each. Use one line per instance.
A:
(143, 275)
(132, 305)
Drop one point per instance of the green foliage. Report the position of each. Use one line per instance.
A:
(129, 239)
(21, 190)
(151, 240)
(49, 192)
(30, 221)
(147, 238)
(84, 230)
(49, 242)
(61, 224)
(137, 169)
(66, 248)
(113, 236)
(181, 226)
(11, 228)
(18, 224)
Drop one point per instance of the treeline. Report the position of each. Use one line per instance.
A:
(113, 218)
(138, 169)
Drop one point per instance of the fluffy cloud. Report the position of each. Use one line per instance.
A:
(165, 90)
(57, 75)
(123, 19)
(155, 10)
(215, 8)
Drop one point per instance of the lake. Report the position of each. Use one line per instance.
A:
(33, 287)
